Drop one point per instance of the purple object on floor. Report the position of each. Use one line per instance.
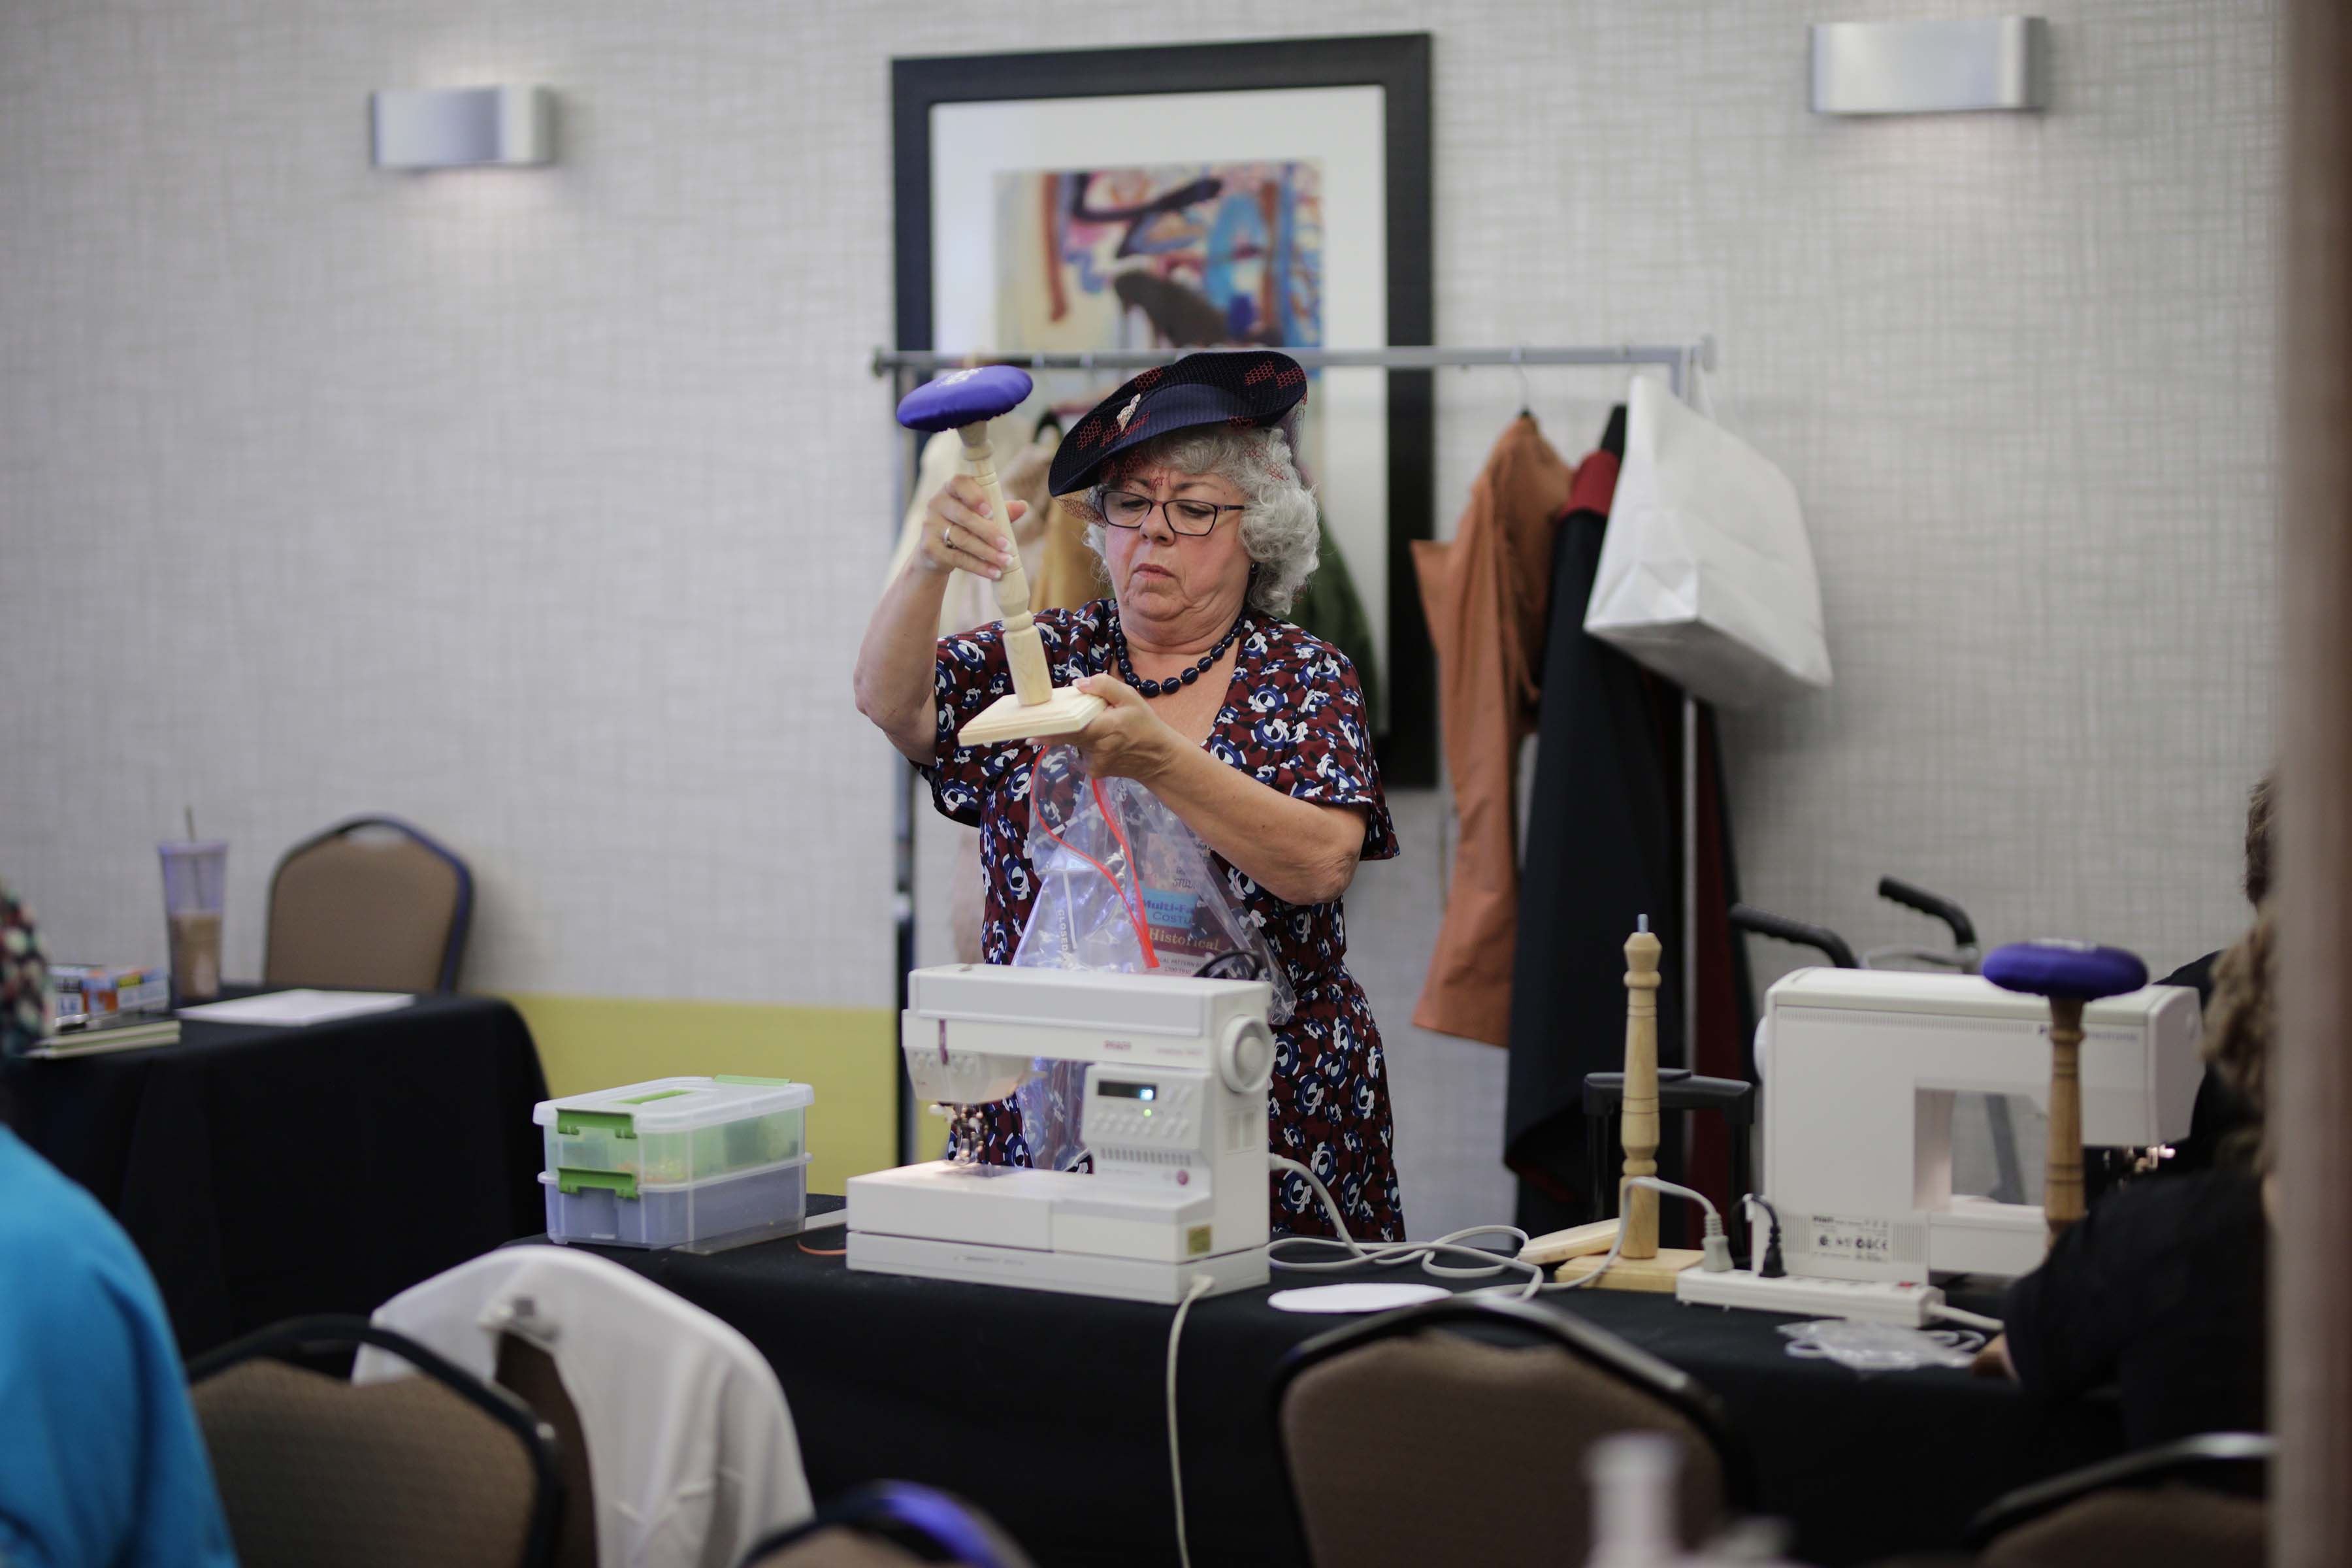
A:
(2068, 970)
(964, 397)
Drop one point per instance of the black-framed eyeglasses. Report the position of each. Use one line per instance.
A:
(1125, 509)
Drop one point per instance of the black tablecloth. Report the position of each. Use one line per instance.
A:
(266, 1172)
(1049, 1410)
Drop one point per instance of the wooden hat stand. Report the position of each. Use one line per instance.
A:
(2069, 973)
(1640, 1263)
(964, 401)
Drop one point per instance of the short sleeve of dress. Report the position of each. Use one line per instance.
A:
(1330, 760)
(969, 673)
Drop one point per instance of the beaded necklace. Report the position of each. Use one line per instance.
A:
(1182, 677)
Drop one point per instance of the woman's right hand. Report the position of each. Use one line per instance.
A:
(959, 532)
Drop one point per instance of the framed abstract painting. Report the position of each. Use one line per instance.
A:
(1198, 196)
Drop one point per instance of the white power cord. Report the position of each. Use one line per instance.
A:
(1967, 1320)
(1391, 1254)
(1202, 1285)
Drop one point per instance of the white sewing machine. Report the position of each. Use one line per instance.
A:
(1860, 1067)
(1175, 1116)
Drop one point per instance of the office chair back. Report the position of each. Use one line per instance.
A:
(372, 904)
(439, 1467)
(2194, 1503)
(1407, 1442)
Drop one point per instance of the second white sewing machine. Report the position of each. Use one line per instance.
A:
(1175, 1116)
(1860, 1068)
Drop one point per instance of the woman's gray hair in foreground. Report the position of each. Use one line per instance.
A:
(1280, 529)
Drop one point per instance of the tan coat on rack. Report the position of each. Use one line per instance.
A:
(1487, 595)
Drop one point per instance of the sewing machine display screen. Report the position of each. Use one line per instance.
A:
(1111, 1090)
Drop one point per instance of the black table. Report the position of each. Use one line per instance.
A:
(266, 1172)
(1049, 1410)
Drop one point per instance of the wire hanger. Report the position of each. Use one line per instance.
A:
(1526, 398)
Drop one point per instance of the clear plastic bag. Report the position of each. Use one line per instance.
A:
(1123, 885)
(1881, 1347)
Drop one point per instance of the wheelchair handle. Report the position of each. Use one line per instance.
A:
(1964, 930)
(1763, 923)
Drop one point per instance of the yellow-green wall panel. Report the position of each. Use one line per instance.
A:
(849, 1054)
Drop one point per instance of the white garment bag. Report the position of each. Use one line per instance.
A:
(1705, 575)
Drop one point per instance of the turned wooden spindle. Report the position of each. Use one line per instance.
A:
(2061, 1176)
(1024, 650)
(1638, 1206)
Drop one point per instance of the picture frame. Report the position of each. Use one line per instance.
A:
(1357, 110)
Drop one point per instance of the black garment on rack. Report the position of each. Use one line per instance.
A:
(1603, 820)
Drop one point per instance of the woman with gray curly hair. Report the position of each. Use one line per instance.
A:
(1278, 532)
(1252, 731)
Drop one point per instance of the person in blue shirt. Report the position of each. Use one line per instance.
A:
(101, 1465)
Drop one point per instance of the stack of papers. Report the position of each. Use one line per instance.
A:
(292, 1009)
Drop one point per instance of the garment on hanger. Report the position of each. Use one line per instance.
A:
(971, 601)
(1605, 816)
(1331, 608)
(1486, 594)
(692, 1453)
(1068, 574)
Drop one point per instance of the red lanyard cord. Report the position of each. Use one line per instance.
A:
(1131, 911)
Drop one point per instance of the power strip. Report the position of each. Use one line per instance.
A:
(1866, 1300)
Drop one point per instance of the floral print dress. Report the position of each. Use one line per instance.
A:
(1293, 720)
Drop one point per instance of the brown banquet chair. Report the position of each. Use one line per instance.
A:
(372, 904)
(439, 1467)
(2193, 1503)
(1396, 1431)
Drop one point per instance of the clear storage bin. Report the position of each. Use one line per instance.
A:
(616, 1210)
(675, 1131)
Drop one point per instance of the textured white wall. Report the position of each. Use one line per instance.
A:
(546, 507)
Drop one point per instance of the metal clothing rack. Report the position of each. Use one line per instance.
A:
(1677, 360)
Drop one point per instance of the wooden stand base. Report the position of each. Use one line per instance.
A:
(1559, 1246)
(1655, 1275)
(1065, 712)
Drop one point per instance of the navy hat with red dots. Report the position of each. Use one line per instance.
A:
(1246, 386)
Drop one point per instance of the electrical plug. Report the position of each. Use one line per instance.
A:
(1715, 1249)
(1771, 1267)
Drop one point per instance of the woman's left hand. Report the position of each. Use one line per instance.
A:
(1127, 739)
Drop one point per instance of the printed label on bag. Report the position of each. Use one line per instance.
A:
(1168, 914)
(1857, 1240)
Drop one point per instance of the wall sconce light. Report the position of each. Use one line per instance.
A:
(462, 127)
(1930, 68)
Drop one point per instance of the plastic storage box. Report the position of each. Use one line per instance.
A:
(677, 1162)
(746, 1206)
(678, 1130)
